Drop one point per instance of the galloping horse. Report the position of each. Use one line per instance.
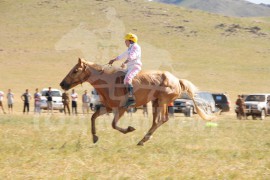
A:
(160, 87)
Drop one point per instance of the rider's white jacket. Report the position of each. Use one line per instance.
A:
(133, 55)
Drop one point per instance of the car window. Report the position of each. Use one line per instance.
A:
(219, 98)
(204, 96)
(184, 96)
(260, 98)
(54, 93)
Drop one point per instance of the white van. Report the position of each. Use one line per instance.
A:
(56, 97)
(95, 100)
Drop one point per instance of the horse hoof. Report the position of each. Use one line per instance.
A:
(130, 129)
(140, 144)
(95, 138)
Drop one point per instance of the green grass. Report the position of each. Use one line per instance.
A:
(61, 147)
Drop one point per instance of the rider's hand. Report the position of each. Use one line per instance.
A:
(111, 61)
(123, 65)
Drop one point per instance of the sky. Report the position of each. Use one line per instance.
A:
(259, 1)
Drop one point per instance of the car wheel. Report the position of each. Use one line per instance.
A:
(263, 114)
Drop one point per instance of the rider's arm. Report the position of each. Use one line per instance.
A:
(122, 56)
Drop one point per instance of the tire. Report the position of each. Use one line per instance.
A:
(263, 114)
(189, 112)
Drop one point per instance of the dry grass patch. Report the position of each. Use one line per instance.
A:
(61, 147)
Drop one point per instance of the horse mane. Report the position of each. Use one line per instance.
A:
(105, 68)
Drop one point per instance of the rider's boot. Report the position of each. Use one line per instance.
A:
(131, 100)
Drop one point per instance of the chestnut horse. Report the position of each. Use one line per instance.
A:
(160, 87)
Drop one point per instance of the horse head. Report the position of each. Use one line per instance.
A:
(77, 75)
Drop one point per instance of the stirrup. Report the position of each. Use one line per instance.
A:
(130, 102)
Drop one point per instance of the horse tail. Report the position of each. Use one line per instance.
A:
(191, 89)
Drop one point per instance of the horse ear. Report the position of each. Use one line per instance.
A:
(79, 61)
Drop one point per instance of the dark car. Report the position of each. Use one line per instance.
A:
(222, 101)
(185, 105)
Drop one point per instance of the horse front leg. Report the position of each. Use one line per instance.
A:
(100, 111)
(118, 114)
(160, 116)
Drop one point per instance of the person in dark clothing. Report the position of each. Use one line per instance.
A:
(241, 107)
(171, 109)
(26, 97)
(65, 100)
(49, 100)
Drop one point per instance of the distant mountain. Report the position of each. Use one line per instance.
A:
(267, 5)
(237, 8)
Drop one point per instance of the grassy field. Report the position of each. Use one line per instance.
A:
(58, 147)
(42, 39)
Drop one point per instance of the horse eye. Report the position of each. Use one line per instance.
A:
(75, 71)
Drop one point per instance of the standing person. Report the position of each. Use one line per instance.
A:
(49, 100)
(134, 64)
(26, 97)
(10, 99)
(1, 101)
(37, 99)
(85, 100)
(74, 98)
(65, 100)
(241, 107)
(170, 109)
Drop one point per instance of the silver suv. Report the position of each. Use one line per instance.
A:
(257, 105)
(185, 105)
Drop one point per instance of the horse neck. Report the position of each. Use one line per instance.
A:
(97, 78)
(101, 81)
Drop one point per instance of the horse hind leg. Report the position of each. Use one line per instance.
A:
(118, 114)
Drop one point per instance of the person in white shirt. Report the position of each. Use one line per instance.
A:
(74, 98)
(133, 62)
(1, 101)
(10, 100)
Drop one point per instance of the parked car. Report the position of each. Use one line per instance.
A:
(56, 97)
(222, 101)
(257, 105)
(95, 100)
(185, 105)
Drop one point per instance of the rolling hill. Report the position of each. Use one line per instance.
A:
(236, 8)
(42, 40)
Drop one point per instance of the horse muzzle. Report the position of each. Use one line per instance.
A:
(64, 85)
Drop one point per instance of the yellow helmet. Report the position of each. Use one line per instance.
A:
(131, 37)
